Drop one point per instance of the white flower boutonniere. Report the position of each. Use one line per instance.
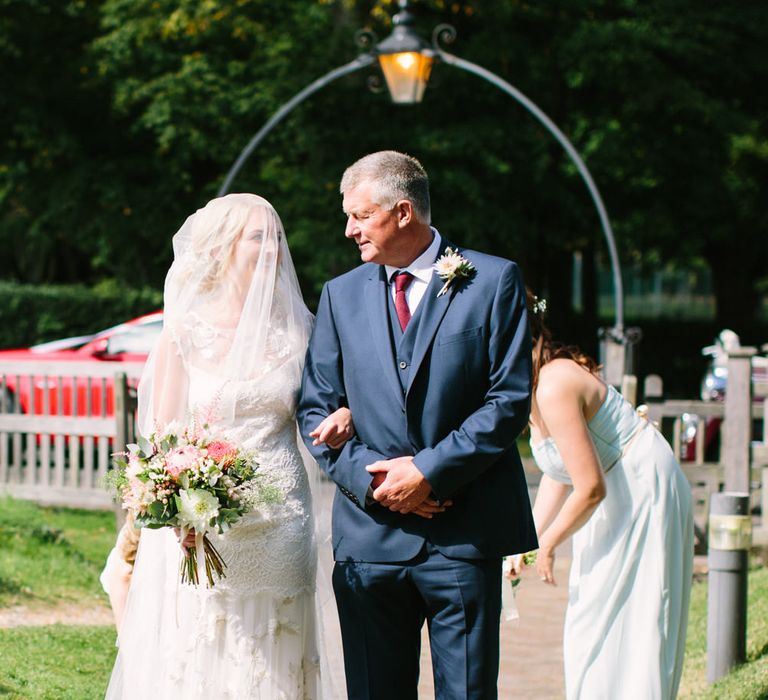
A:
(450, 266)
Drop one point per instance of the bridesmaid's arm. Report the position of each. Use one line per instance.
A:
(334, 430)
(560, 399)
(550, 497)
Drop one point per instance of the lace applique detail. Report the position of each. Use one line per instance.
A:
(199, 339)
(275, 657)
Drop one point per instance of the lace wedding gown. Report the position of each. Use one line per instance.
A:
(632, 564)
(253, 635)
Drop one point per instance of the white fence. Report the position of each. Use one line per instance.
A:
(60, 422)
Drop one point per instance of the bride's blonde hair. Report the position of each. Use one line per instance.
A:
(544, 348)
(214, 238)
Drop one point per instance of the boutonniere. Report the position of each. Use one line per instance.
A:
(450, 266)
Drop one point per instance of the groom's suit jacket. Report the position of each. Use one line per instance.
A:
(458, 406)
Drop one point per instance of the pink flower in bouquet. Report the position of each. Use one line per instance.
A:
(221, 451)
(181, 459)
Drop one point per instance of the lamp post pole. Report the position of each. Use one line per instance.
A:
(362, 61)
(406, 61)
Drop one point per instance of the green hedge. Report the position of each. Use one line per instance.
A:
(31, 314)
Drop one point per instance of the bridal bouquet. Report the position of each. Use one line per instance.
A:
(189, 479)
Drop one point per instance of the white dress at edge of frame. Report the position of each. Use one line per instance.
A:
(253, 634)
(632, 564)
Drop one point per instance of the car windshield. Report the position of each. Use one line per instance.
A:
(136, 340)
(63, 344)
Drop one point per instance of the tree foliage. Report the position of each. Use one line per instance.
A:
(121, 117)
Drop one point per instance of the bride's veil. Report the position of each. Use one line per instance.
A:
(233, 311)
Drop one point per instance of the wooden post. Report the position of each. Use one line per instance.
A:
(122, 416)
(653, 388)
(737, 426)
(121, 411)
(629, 388)
(612, 360)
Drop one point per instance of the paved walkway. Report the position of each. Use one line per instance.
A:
(531, 647)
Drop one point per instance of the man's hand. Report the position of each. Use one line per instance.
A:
(378, 480)
(429, 506)
(404, 487)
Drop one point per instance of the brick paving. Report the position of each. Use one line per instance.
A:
(531, 665)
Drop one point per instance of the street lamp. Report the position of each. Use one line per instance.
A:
(406, 61)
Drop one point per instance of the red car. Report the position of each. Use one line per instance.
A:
(128, 343)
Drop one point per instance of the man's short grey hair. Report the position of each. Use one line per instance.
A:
(393, 176)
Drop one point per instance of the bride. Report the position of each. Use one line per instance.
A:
(230, 355)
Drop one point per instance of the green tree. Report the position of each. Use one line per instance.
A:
(123, 116)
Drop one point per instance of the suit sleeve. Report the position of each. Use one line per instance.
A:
(465, 453)
(322, 392)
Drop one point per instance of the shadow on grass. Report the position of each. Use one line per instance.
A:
(9, 587)
(759, 653)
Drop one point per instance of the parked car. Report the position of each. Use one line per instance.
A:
(713, 388)
(127, 342)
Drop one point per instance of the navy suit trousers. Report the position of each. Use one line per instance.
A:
(383, 606)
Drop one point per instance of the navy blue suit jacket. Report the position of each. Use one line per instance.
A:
(466, 401)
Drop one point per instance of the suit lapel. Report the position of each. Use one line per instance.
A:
(432, 313)
(378, 319)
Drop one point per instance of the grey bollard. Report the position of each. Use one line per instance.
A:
(730, 534)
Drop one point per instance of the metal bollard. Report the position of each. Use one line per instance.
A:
(730, 535)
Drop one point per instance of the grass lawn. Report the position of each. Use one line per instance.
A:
(52, 555)
(57, 662)
(747, 682)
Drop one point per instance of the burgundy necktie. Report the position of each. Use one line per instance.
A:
(402, 280)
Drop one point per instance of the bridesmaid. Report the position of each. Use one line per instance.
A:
(610, 480)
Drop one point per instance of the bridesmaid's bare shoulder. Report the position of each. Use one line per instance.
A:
(564, 380)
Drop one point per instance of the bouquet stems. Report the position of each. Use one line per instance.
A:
(214, 564)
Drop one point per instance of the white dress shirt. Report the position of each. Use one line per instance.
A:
(421, 269)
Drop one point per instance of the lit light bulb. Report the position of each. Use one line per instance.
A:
(406, 60)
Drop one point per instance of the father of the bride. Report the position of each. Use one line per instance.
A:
(428, 345)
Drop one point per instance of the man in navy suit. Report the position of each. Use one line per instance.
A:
(431, 493)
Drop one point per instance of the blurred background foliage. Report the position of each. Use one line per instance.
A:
(118, 118)
(35, 313)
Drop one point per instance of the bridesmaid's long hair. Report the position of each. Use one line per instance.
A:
(544, 348)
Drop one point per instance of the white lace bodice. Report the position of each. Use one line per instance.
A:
(270, 548)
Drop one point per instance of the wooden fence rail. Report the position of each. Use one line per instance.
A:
(742, 462)
(60, 422)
